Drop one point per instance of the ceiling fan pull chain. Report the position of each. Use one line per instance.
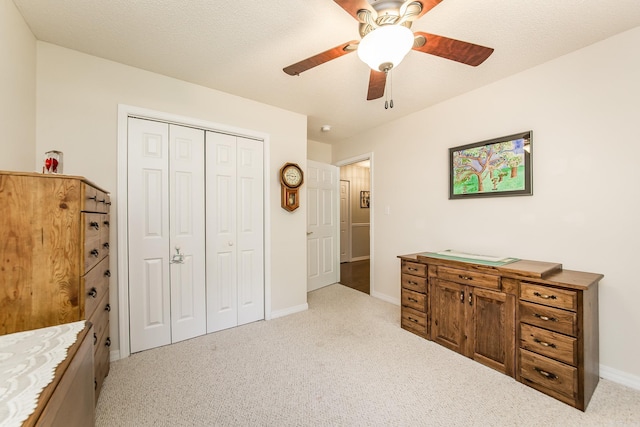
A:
(386, 92)
(390, 89)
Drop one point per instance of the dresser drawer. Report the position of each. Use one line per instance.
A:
(550, 374)
(92, 223)
(466, 277)
(105, 224)
(95, 200)
(96, 285)
(101, 361)
(414, 320)
(413, 300)
(556, 346)
(554, 297)
(92, 254)
(414, 283)
(565, 322)
(100, 319)
(414, 268)
(90, 195)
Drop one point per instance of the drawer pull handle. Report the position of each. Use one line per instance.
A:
(94, 198)
(107, 307)
(105, 245)
(411, 282)
(412, 299)
(93, 293)
(547, 375)
(470, 298)
(544, 296)
(102, 201)
(95, 253)
(413, 320)
(108, 203)
(105, 223)
(463, 277)
(544, 344)
(107, 273)
(95, 338)
(95, 225)
(545, 318)
(412, 269)
(108, 342)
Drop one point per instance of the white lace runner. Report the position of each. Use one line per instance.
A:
(28, 361)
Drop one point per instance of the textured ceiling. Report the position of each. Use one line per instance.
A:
(240, 47)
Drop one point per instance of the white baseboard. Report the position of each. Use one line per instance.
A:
(386, 298)
(290, 310)
(620, 377)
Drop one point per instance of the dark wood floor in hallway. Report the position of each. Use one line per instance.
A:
(355, 275)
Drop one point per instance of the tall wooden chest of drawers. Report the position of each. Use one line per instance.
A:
(54, 257)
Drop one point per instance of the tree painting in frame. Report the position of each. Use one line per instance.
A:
(497, 167)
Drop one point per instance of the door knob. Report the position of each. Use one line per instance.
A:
(177, 258)
(309, 232)
(230, 243)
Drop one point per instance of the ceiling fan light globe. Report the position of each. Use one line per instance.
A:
(385, 45)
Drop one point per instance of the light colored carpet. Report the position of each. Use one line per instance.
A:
(343, 362)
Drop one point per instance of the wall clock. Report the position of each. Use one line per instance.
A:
(291, 178)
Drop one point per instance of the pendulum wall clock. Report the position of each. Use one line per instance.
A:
(291, 178)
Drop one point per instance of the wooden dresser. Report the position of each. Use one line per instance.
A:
(530, 320)
(54, 254)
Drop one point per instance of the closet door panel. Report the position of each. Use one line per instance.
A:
(148, 201)
(221, 244)
(187, 228)
(250, 231)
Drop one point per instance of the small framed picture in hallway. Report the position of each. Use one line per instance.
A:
(364, 199)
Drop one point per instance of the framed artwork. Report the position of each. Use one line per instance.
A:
(364, 199)
(497, 167)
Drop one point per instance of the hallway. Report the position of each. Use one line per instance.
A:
(355, 275)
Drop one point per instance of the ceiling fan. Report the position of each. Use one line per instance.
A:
(387, 38)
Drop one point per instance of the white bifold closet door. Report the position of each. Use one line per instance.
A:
(166, 217)
(235, 231)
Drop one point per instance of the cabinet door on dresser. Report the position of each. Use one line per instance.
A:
(475, 322)
(448, 314)
(491, 338)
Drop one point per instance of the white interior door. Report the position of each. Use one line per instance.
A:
(187, 233)
(166, 211)
(345, 227)
(322, 224)
(148, 201)
(235, 231)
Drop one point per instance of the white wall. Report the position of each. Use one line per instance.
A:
(18, 89)
(77, 102)
(584, 111)
(319, 151)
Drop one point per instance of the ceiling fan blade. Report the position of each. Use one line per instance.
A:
(377, 82)
(353, 6)
(321, 58)
(456, 50)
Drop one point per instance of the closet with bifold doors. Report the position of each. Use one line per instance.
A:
(195, 232)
